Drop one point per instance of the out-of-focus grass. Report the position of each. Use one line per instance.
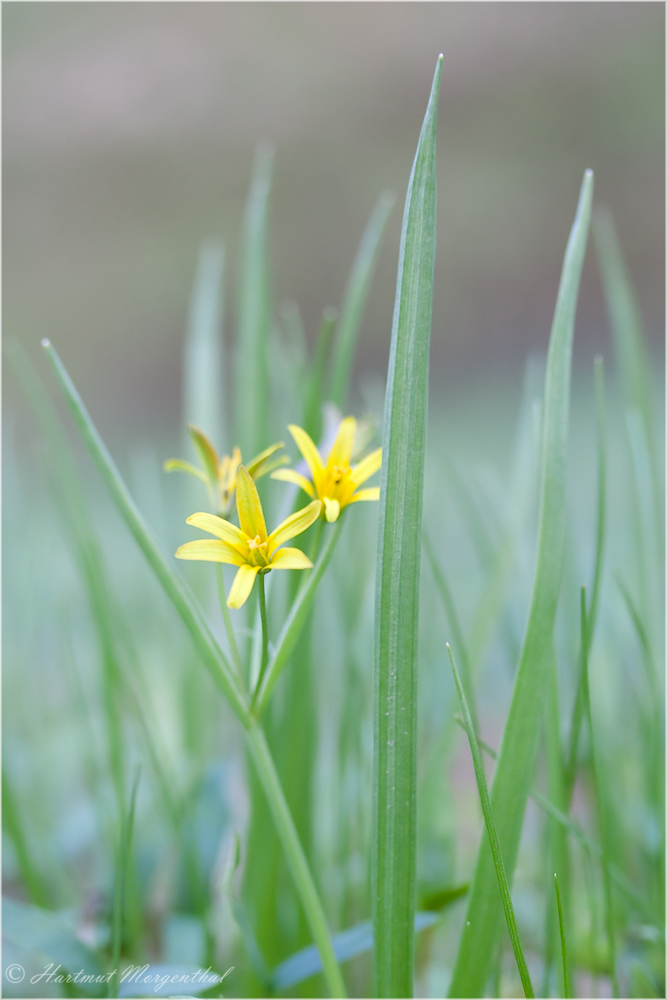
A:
(100, 679)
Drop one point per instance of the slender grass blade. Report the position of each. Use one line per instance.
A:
(561, 926)
(356, 293)
(254, 314)
(492, 833)
(519, 745)
(175, 587)
(203, 358)
(397, 581)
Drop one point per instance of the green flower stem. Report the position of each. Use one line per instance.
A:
(295, 621)
(566, 974)
(231, 638)
(295, 857)
(265, 634)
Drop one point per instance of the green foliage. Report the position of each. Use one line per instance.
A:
(102, 680)
(397, 587)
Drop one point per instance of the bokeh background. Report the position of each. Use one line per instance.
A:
(128, 137)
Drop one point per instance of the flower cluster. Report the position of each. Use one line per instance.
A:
(334, 486)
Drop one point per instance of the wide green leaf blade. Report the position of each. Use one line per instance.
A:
(519, 745)
(175, 587)
(397, 582)
(356, 293)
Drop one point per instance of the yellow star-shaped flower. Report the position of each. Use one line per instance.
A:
(219, 474)
(249, 547)
(335, 483)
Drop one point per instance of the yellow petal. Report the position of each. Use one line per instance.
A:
(290, 559)
(206, 451)
(242, 585)
(366, 467)
(253, 466)
(332, 509)
(294, 525)
(372, 493)
(217, 526)
(248, 504)
(290, 476)
(208, 550)
(305, 444)
(342, 447)
(176, 464)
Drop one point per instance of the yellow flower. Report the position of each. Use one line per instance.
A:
(336, 482)
(249, 547)
(219, 474)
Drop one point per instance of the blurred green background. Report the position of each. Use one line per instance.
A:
(129, 131)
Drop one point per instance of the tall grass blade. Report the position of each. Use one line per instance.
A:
(589, 845)
(628, 335)
(602, 819)
(397, 581)
(203, 353)
(356, 293)
(454, 623)
(600, 531)
(216, 662)
(120, 887)
(492, 833)
(175, 587)
(254, 314)
(563, 946)
(13, 826)
(312, 406)
(519, 745)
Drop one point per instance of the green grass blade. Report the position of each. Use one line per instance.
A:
(312, 406)
(600, 532)
(593, 848)
(120, 888)
(602, 819)
(254, 315)
(561, 926)
(295, 622)
(175, 587)
(393, 849)
(492, 834)
(296, 859)
(356, 294)
(347, 944)
(13, 826)
(519, 746)
(454, 623)
(629, 339)
(203, 358)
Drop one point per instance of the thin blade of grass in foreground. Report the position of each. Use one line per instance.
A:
(393, 851)
(492, 833)
(561, 926)
(623, 883)
(356, 294)
(177, 590)
(216, 662)
(516, 759)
